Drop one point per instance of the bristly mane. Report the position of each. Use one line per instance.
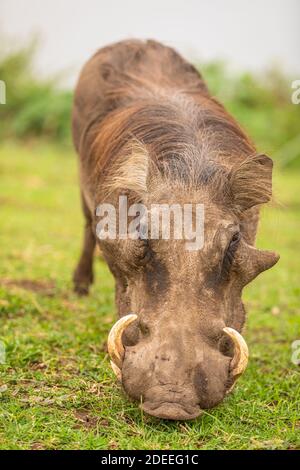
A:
(185, 133)
(178, 132)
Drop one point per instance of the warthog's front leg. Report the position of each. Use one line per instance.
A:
(83, 275)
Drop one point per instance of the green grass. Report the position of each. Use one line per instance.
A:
(56, 387)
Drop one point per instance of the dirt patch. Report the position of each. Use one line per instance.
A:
(35, 365)
(113, 445)
(85, 420)
(46, 288)
(37, 446)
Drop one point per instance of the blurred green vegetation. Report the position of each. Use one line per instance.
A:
(34, 107)
(262, 104)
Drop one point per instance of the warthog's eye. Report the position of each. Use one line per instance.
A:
(235, 239)
(145, 252)
(230, 252)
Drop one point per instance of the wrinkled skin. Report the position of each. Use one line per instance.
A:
(177, 358)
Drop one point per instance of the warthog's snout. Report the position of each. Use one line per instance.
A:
(175, 376)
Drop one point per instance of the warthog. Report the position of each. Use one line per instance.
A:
(146, 127)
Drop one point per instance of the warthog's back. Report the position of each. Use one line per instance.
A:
(126, 71)
(144, 92)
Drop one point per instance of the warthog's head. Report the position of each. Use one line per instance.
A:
(177, 347)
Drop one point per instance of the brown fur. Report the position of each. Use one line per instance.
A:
(145, 125)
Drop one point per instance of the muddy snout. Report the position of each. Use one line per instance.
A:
(173, 386)
(175, 376)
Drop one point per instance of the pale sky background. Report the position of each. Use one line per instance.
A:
(249, 34)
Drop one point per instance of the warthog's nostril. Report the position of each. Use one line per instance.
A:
(170, 410)
(144, 328)
(163, 357)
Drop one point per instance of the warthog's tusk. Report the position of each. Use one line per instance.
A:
(241, 352)
(114, 342)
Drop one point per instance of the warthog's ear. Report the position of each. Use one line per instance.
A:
(250, 182)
